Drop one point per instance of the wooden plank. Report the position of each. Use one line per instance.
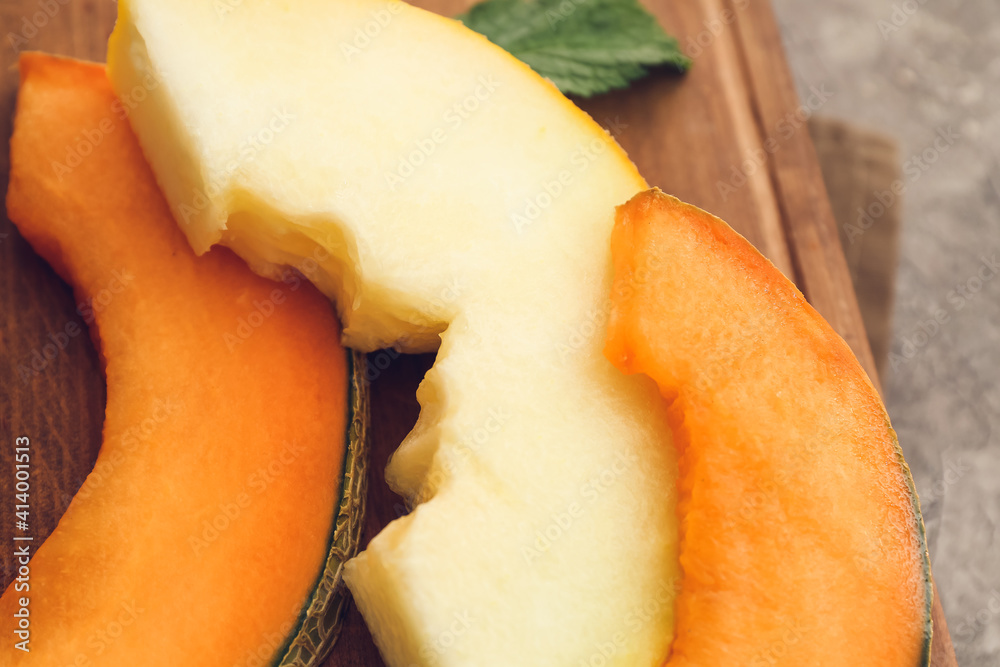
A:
(795, 175)
(690, 136)
(700, 138)
(807, 217)
(51, 389)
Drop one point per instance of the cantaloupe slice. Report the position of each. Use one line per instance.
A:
(801, 536)
(214, 526)
(443, 192)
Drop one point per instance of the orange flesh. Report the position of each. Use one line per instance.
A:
(801, 543)
(203, 425)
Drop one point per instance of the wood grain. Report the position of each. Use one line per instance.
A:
(725, 137)
(51, 390)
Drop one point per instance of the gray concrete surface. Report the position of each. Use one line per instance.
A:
(926, 71)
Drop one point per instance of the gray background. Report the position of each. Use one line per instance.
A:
(910, 71)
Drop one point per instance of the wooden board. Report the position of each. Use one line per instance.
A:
(729, 137)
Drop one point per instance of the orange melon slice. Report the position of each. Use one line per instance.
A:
(227, 492)
(801, 536)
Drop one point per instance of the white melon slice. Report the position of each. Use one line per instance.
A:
(440, 192)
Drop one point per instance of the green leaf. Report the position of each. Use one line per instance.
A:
(585, 47)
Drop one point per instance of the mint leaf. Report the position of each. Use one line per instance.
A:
(585, 47)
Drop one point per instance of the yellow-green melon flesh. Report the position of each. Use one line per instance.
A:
(438, 190)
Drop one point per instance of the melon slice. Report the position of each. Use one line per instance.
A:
(215, 524)
(802, 541)
(439, 191)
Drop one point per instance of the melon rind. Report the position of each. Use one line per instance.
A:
(322, 618)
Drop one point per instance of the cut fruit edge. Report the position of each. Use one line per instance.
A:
(322, 616)
(319, 622)
(619, 350)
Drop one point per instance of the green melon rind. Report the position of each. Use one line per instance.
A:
(925, 657)
(320, 621)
